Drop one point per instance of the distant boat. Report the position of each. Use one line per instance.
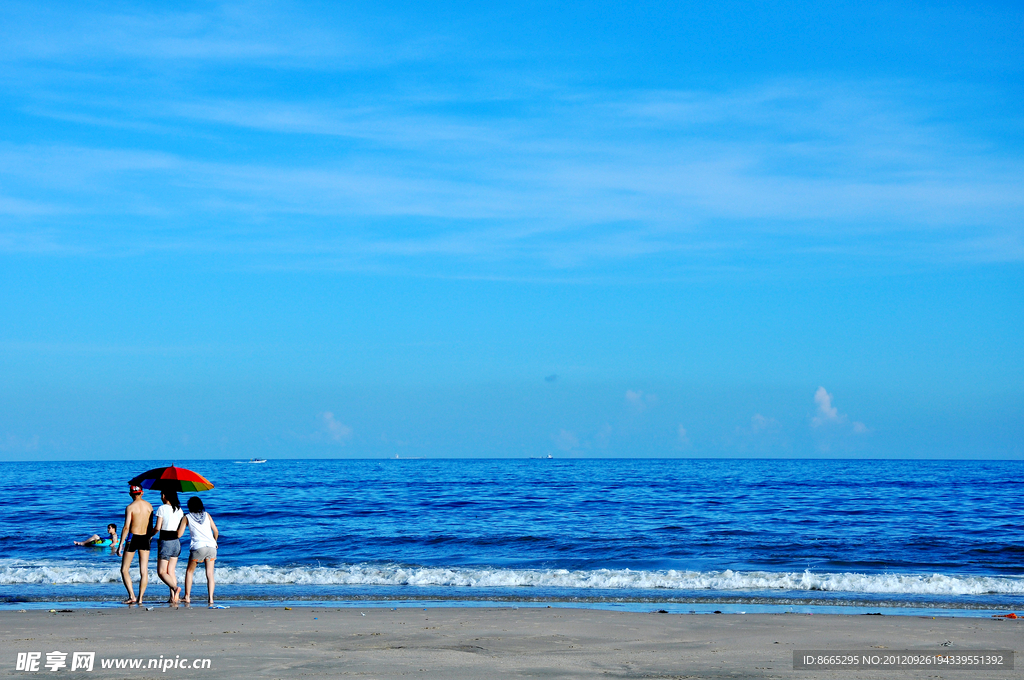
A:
(549, 455)
(252, 460)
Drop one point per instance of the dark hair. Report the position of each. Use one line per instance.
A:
(172, 497)
(111, 525)
(195, 505)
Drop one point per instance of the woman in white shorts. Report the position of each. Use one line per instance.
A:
(203, 534)
(168, 517)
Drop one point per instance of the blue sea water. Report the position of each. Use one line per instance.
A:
(682, 535)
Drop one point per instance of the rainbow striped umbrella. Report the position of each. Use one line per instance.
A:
(172, 479)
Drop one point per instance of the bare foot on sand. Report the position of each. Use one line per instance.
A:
(177, 596)
(131, 601)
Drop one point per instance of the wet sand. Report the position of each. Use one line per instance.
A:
(309, 642)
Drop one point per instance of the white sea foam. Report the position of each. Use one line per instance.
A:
(14, 572)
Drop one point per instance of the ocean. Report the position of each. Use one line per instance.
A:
(892, 536)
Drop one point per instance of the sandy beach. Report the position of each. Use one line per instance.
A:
(482, 643)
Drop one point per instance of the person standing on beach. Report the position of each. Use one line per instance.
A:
(168, 517)
(137, 517)
(203, 536)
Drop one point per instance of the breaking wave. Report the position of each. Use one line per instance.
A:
(16, 572)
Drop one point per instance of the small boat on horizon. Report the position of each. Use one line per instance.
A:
(252, 460)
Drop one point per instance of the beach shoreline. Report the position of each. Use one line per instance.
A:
(460, 642)
(675, 607)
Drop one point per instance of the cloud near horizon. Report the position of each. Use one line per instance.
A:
(829, 415)
(759, 424)
(335, 431)
(682, 438)
(11, 443)
(566, 440)
(762, 436)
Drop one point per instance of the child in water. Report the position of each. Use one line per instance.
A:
(95, 540)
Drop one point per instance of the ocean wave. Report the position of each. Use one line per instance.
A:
(15, 572)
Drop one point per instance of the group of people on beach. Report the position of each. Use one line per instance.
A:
(169, 527)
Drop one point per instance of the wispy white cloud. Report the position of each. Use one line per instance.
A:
(760, 424)
(899, 168)
(563, 208)
(78, 348)
(826, 412)
(639, 402)
(14, 207)
(11, 443)
(238, 32)
(762, 435)
(829, 416)
(569, 440)
(683, 438)
(566, 440)
(542, 175)
(335, 431)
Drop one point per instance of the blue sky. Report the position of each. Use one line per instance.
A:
(300, 229)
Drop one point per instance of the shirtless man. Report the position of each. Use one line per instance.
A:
(136, 523)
